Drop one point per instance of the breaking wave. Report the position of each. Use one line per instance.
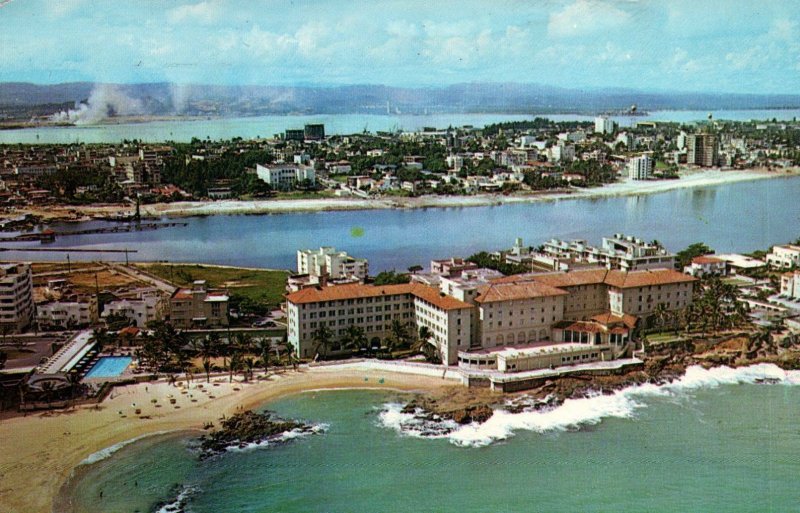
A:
(284, 437)
(574, 413)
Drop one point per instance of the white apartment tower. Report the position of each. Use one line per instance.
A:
(640, 168)
(603, 125)
(335, 264)
(16, 297)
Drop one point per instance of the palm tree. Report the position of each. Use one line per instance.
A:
(102, 338)
(660, 315)
(234, 365)
(249, 364)
(323, 338)
(422, 340)
(207, 366)
(354, 338)
(399, 334)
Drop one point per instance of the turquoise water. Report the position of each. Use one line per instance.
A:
(713, 443)
(738, 217)
(109, 367)
(265, 126)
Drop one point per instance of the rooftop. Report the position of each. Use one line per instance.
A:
(357, 290)
(520, 290)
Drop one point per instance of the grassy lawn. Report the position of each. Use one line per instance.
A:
(665, 337)
(258, 285)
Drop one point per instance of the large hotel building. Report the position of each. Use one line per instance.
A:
(584, 314)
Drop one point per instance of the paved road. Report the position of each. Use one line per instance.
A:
(162, 285)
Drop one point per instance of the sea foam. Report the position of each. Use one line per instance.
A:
(108, 451)
(574, 413)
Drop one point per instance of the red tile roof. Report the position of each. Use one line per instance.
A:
(635, 279)
(706, 260)
(357, 290)
(511, 291)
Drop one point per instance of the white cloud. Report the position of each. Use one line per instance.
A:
(205, 13)
(586, 17)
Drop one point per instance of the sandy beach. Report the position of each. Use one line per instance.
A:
(42, 449)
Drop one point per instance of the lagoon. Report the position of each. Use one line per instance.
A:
(739, 217)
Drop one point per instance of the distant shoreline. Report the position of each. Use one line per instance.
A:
(689, 179)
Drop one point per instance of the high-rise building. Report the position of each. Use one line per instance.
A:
(701, 150)
(603, 125)
(16, 297)
(640, 168)
(294, 135)
(314, 132)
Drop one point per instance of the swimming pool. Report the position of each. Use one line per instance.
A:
(109, 367)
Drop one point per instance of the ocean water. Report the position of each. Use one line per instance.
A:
(183, 130)
(714, 441)
(740, 217)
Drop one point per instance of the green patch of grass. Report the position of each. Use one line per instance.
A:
(258, 285)
(664, 337)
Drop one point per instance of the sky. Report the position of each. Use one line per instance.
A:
(737, 46)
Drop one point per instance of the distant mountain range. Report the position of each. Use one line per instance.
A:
(94, 100)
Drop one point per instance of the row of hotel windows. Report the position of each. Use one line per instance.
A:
(521, 312)
(490, 324)
(359, 301)
(351, 311)
(360, 320)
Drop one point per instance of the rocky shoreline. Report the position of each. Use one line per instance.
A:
(466, 406)
(250, 429)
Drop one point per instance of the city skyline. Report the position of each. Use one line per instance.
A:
(674, 46)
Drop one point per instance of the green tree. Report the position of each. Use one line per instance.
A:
(323, 340)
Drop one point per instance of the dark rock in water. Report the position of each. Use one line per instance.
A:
(480, 413)
(767, 381)
(247, 428)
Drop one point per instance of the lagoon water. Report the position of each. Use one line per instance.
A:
(743, 216)
(715, 447)
(184, 129)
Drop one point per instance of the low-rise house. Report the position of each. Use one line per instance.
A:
(146, 307)
(67, 313)
(199, 307)
(790, 284)
(706, 266)
(784, 257)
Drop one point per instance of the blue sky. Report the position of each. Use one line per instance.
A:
(691, 45)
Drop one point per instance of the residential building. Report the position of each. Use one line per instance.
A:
(285, 176)
(16, 297)
(451, 266)
(199, 307)
(702, 149)
(604, 125)
(326, 261)
(294, 135)
(146, 307)
(640, 168)
(621, 251)
(790, 284)
(784, 256)
(314, 132)
(706, 266)
(67, 313)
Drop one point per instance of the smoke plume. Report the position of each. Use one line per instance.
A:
(105, 101)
